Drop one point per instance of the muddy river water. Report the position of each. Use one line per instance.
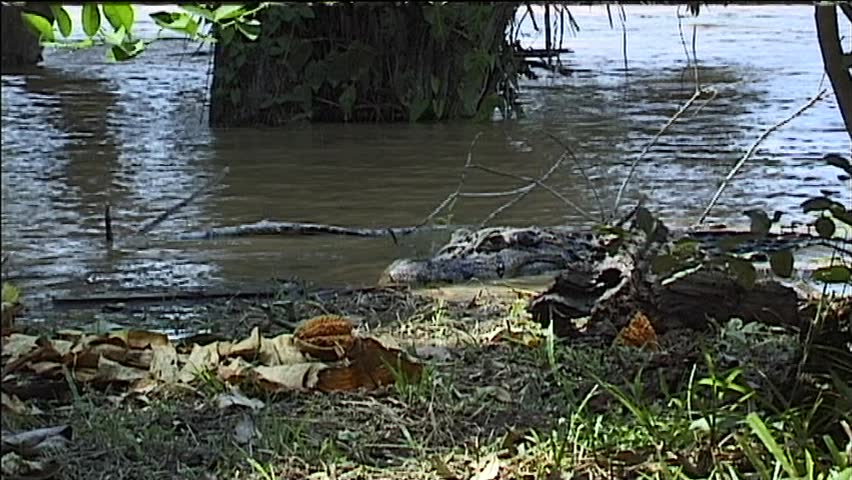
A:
(79, 132)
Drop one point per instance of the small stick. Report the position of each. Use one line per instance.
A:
(160, 218)
(543, 185)
(452, 197)
(107, 224)
(525, 191)
(581, 169)
(751, 151)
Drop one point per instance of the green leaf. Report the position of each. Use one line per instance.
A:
(91, 19)
(119, 15)
(63, 20)
(781, 263)
(833, 274)
(176, 21)
(732, 242)
(226, 12)
(760, 222)
(10, 293)
(818, 204)
(743, 270)
(840, 213)
(115, 38)
(250, 29)
(663, 264)
(837, 161)
(226, 34)
(39, 25)
(765, 436)
(645, 221)
(824, 227)
(200, 11)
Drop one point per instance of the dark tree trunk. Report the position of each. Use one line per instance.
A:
(20, 47)
(836, 62)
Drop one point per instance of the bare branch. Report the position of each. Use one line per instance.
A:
(545, 186)
(525, 191)
(751, 151)
(650, 144)
(452, 197)
(582, 172)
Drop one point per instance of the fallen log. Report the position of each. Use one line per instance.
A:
(609, 294)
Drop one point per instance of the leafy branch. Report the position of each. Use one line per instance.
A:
(195, 21)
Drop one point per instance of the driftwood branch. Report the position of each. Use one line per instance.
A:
(751, 151)
(266, 227)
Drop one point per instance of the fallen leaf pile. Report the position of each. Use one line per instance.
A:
(324, 355)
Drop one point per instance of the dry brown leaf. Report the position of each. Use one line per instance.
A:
(45, 368)
(110, 371)
(280, 350)
(143, 386)
(85, 375)
(141, 339)
(246, 348)
(490, 470)
(301, 376)
(639, 333)
(235, 371)
(17, 345)
(326, 337)
(370, 366)
(235, 398)
(38, 441)
(13, 404)
(164, 364)
(14, 466)
(202, 358)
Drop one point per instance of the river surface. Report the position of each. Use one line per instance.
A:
(79, 132)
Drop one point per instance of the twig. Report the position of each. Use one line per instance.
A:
(452, 197)
(648, 146)
(160, 218)
(582, 171)
(698, 92)
(525, 190)
(545, 186)
(751, 151)
(107, 224)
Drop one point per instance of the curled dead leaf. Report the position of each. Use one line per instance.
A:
(326, 337)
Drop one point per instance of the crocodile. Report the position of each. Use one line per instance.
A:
(507, 252)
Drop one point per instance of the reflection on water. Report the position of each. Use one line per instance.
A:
(81, 132)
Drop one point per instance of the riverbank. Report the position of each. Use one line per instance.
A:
(498, 398)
